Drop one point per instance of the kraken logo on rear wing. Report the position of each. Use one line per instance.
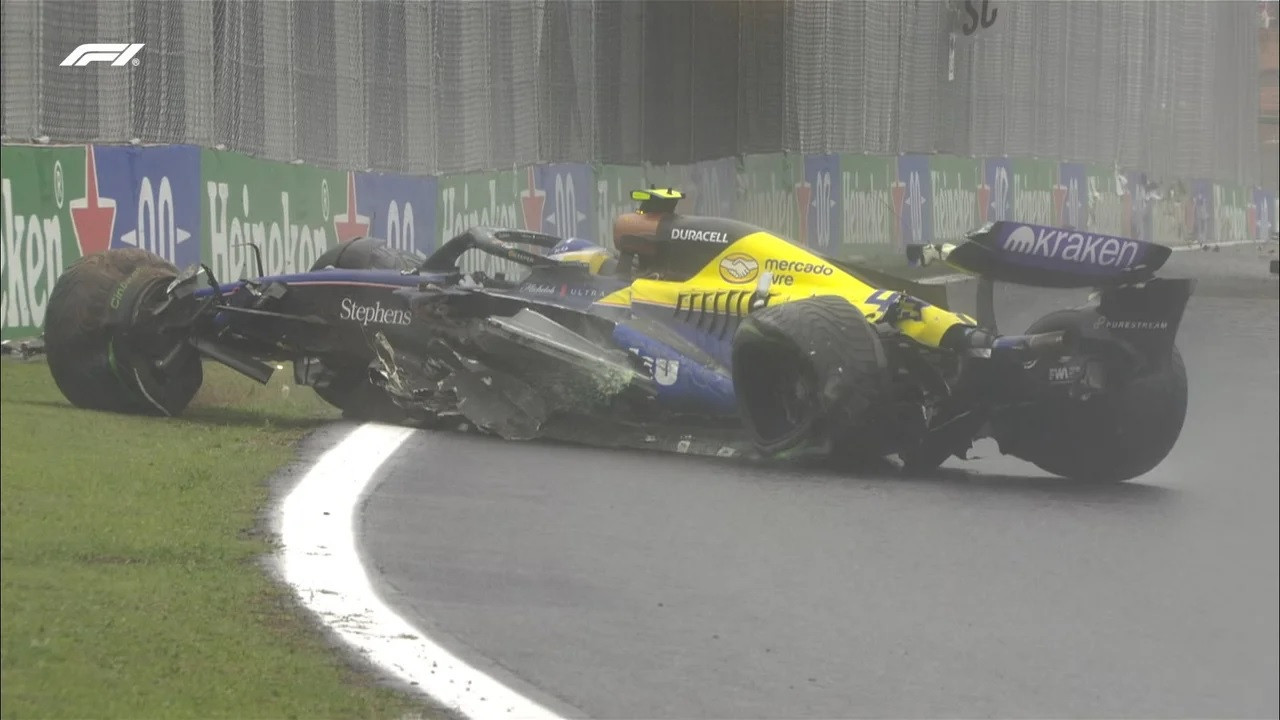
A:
(1044, 256)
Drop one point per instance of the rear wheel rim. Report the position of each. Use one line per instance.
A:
(794, 394)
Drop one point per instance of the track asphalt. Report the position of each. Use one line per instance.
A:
(647, 585)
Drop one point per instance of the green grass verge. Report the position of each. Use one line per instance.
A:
(131, 579)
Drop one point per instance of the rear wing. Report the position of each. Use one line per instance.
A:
(1050, 257)
(1043, 256)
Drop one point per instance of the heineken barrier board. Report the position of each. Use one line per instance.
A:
(954, 181)
(292, 213)
(1033, 182)
(188, 204)
(769, 193)
(45, 200)
(1104, 207)
(867, 214)
(491, 199)
(556, 199)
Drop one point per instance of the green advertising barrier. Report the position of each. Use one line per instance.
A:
(866, 206)
(1231, 212)
(292, 213)
(679, 177)
(44, 193)
(1033, 181)
(1169, 217)
(487, 198)
(955, 183)
(767, 193)
(1106, 207)
(710, 186)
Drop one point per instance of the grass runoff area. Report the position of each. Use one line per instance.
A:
(132, 580)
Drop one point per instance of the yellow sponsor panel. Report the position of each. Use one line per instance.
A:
(796, 274)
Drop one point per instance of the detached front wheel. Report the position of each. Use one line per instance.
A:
(813, 375)
(104, 339)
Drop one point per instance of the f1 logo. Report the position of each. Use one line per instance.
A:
(118, 54)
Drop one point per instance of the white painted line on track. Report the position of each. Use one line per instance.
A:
(321, 563)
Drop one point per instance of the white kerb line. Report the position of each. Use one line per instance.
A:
(320, 561)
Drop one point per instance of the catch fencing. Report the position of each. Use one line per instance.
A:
(438, 87)
(852, 128)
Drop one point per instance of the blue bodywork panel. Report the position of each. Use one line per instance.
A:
(682, 380)
(695, 378)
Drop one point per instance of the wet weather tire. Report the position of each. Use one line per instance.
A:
(99, 357)
(1110, 437)
(350, 390)
(366, 254)
(813, 374)
(359, 399)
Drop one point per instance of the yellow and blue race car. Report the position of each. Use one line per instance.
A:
(695, 334)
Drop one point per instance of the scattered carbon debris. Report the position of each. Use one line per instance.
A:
(23, 349)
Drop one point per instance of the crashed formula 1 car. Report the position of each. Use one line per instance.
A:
(701, 335)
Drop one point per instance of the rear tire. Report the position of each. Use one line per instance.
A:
(95, 354)
(350, 390)
(1111, 437)
(812, 374)
(366, 254)
(359, 399)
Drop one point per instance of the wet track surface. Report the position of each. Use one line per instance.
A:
(631, 584)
